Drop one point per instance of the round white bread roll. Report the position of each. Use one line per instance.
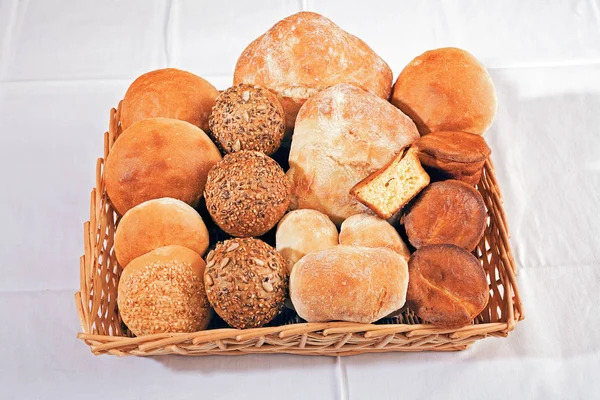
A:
(344, 283)
(157, 223)
(371, 231)
(163, 291)
(343, 134)
(301, 232)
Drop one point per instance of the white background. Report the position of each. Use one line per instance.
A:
(65, 63)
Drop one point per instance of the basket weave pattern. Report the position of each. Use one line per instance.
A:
(104, 332)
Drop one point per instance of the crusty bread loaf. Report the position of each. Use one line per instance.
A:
(344, 283)
(169, 93)
(156, 158)
(158, 223)
(454, 155)
(386, 191)
(447, 285)
(343, 134)
(446, 212)
(305, 53)
(304, 231)
(446, 90)
(371, 231)
(163, 291)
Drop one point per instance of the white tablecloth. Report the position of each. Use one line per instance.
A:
(64, 63)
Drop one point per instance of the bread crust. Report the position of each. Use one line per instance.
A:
(447, 286)
(169, 93)
(446, 89)
(158, 157)
(344, 283)
(306, 53)
(446, 212)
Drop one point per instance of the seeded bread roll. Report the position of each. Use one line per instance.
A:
(306, 53)
(446, 90)
(355, 284)
(163, 291)
(371, 231)
(158, 223)
(343, 134)
(246, 282)
(247, 193)
(158, 157)
(169, 93)
(447, 285)
(247, 118)
(304, 231)
(446, 212)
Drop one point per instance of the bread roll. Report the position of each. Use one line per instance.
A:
(156, 158)
(447, 286)
(305, 53)
(371, 231)
(163, 291)
(446, 212)
(342, 135)
(158, 223)
(169, 93)
(355, 284)
(446, 90)
(247, 193)
(304, 231)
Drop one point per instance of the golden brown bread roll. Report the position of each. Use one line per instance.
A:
(371, 231)
(454, 155)
(447, 285)
(304, 231)
(169, 93)
(344, 283)
(247, 193)
(343, 134)
(156, 158)
(446, 212)
(158, 223)
(163, 291)
(305, 53)
(446, 89)
(246, 282)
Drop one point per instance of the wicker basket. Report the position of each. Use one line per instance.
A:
(105, 333)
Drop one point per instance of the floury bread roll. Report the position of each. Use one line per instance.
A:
(371, 231)
(157, 223)
(305, 53)
(169, 93)
(446, 90)
(159, 157)
(343, 134)
(304, 231)
(344, 283)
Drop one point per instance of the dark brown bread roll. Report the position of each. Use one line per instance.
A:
(446, 212)
(447, 286)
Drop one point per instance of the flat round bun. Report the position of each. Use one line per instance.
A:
(169, 93)
(163, 291)
(247, 193)
(301, 232)
(344, 283)
(371, 231)
(246, 282)
(305, 53)
(446, 90)
(158, 223)
(156, 158)
(247, 118)
(343, 134)
(446, 212)
(447, 286)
